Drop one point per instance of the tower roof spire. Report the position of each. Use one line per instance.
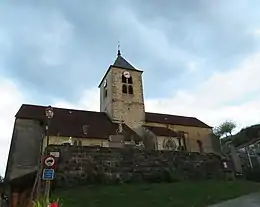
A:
(118, 49)
(120, 61)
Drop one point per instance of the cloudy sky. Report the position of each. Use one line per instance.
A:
(200, 57)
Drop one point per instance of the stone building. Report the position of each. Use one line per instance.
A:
(122, 111)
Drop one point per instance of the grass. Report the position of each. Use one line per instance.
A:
(183, 194)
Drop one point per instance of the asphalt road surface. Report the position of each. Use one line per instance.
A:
(251, 200)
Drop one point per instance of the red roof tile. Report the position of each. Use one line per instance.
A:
(174, 120)
(69, 122)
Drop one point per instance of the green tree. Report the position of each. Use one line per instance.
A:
(225, 129)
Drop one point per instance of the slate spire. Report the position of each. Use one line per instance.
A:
(122, 62)
(118, 53)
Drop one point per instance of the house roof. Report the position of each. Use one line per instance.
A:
(175, 120)
(69, 122)
(162, 131)
(247, 144)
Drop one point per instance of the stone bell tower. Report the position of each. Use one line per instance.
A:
(121, 93)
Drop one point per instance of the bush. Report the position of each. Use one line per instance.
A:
(253, 175)
(171, 176)
(154, 177)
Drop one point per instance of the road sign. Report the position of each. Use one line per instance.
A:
(49, 161)
(48, 174)
(55, 154)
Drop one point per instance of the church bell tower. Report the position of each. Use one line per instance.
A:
(121, 93)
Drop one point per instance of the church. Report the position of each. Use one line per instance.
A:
(122, 112)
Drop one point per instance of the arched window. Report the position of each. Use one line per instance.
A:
(130, 80)
(200, 145)
(79, 143)
(130, 89)
(123, 79)
(75, 143)
(124, 88)
(127, 86)
(105, 93)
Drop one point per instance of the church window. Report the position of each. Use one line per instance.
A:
(124, 88)
(130, 80)
(130, 89)
(123, 79)
(79, 143)
(127, 81)
(105, 93)
(105, 88)
(85, 129)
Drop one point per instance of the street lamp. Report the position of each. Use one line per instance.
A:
(49, 114)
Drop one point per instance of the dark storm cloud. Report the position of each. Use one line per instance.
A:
(63, 47)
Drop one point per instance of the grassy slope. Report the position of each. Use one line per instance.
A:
(184, 194)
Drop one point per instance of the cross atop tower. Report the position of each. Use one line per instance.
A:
(118, 49)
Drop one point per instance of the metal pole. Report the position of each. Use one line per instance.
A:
(47, 133)
(47, 190)
(47, 183)
(249, 157)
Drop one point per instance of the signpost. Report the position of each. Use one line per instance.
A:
(48, 172)
(49, 162)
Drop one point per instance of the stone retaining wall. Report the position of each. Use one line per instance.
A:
(86, 165)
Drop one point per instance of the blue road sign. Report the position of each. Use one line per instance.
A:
(48, 174)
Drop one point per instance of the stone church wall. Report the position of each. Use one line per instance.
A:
(25, 147)
(86, 165)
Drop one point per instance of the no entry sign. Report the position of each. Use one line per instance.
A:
(49, 162)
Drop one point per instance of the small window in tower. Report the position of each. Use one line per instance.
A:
(130, 89)
(130, 80)
(124, 88)
(123, 79)
(85, 129)
(105, 93)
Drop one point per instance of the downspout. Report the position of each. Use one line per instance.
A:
(184, 141)
(188, 138)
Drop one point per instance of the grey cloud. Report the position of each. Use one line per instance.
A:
(61, 47)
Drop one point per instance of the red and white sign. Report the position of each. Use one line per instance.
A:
(49, 162)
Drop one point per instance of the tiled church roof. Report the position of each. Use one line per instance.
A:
(174, 120)
(70, 122)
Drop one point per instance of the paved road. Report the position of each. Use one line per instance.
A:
(251, 200)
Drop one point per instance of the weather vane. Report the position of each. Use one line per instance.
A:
(118, 45)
